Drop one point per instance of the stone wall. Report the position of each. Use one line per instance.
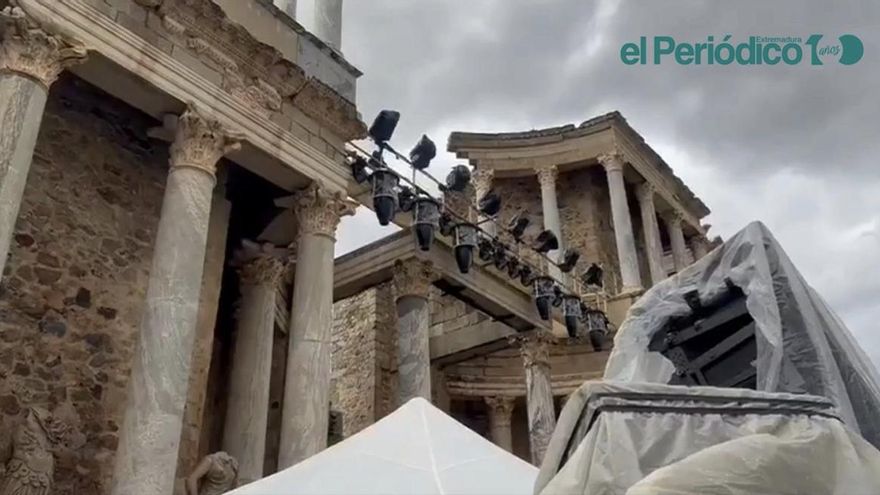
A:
(77, 274)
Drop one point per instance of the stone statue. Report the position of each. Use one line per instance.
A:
(28, 456)
(218, 474)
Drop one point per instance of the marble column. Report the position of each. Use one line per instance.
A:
(328, 22)
(244, 433)
(676, 239)
(500, 410)
(550, 211)
(699, 246)
(150, 433)
(412, 282)
(539, 391)
(620, 215)
(31, 59)
(482, 178)
(306, 409)
(653, 246)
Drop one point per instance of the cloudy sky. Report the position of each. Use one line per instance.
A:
(795, 147)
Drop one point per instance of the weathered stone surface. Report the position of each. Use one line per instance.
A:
(61, 226)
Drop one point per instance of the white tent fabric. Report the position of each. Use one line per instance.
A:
(415, 450)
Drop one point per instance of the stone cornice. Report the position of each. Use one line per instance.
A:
(200, 142)
(27, 49)
(413, 277)
(253, 71)
(319, 211)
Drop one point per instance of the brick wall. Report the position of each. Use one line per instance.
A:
(77, 274)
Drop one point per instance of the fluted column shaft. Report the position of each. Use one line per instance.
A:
(620, 215)
(30, 61)
(150, 434)
(412, 281)
(676, 239)
(328, 22)
(539, 391)
(500, 411)
(306, 409)
(244, 433)
(651, 229)
(550, 209)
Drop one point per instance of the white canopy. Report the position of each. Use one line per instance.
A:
(415, 450)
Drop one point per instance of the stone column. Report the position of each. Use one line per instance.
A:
(328, 22)
(31, 59)
(150, 434)
(550, 210)
(623, 230)
(482, 178)
(676, 239)
(699, 246)
(539, 391)
(412, 281)
(652, 232)
(287, 6)
(500, 410)
(306, 409)
(244, 433)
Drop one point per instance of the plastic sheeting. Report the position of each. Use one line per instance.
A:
(415, 450)
(639, 439)
(802, 347)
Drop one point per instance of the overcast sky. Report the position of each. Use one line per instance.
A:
(795, 147)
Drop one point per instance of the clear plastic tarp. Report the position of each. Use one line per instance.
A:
(415, 450)
(802, 346)
(617, 438)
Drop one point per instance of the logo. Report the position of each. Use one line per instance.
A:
(757, 50)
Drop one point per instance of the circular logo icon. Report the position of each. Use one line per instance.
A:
(852, 49)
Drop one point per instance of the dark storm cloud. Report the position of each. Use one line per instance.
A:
(796, 147)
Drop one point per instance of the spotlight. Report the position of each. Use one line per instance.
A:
(499, 256)
(518, 225)
(458, 178)
(383, 127)
(513, 267)
(546, 241)
(571, 311)
(490, 204)
(422, 154)
(406, 198)
(427, 218)
(525, 275)
(543, 293)
(593, 276)
(465, 242)
(446, 224)
(569, 260)
(359, 170)
(557, 296)
(385, 184)
(485, 250)
(597, 327)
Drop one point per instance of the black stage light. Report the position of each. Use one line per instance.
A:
(597, 327)
(569, 259)
(518, 225)
(406, 198)
(546, 241)
(359, 169)
(385, 184)
(458, 178)
(383, 127)
(466, 235)
(490, 204)
(423, 152)
(513, 267)
(557, 296)
(447, 225)
(499, 256)
(485, 249)
(571, 311)
(543, 294)
(593, 276)
(427, 219)
(525, 275)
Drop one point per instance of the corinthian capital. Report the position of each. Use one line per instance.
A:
(28, 49)
(260, 264)
(200, 142)
(318, 210)
(413, 277)
(612, 161)
(645, 192)
(500, 408)
(535, 347)
(547, 176)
